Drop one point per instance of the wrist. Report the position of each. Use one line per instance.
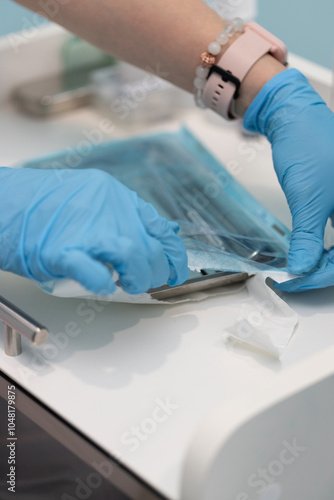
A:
(228, 84)
(265, 114)
(260, 74)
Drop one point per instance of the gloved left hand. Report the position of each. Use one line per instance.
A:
(75, 223)
(300, 128)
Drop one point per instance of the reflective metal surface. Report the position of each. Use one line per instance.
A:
(17, 323)
(201, 283)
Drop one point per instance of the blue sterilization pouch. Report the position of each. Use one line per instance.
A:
(223, 227)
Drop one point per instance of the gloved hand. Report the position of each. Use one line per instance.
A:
(300, 128)
(321, 277)
(70, 226)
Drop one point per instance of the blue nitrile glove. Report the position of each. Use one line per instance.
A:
(300, 128)
(321, 277)
(69, 224)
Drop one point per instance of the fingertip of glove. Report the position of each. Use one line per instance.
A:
(99, 286)
(90, 273)
(277, 286)
(301, 264)
(176, 279)
(106, 290)
(175, 226)
(286, 286)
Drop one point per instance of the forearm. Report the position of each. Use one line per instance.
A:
(150, 35)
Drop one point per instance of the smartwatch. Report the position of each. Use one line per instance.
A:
(225, 77)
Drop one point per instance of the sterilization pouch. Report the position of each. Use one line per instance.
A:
(222, 226)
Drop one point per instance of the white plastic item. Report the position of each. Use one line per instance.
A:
(265, 321)
(273, 444)
(228, 9)
(131, 97)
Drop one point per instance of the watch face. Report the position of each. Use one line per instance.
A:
(278, 49)
(43, 458)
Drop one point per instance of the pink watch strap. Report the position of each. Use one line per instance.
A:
(238, 60)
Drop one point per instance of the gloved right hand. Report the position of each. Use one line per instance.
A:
(300, 128)
(71, 225)
(321, 277)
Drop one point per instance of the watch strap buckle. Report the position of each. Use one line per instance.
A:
(227, 76)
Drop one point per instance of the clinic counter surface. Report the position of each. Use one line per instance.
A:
(138, 379)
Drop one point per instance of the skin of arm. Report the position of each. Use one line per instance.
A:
(165, 38)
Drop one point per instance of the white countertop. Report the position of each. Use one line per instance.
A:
(126, 360)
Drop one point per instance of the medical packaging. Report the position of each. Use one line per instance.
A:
(131, 97)
(222, 226)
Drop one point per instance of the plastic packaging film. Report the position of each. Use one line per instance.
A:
(222, 226)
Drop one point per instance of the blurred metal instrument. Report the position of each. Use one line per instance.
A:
(201, 283)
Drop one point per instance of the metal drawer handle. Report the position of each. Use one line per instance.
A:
(17, 323)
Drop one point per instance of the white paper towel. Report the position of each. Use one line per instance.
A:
(265, 321)
(72, 289)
